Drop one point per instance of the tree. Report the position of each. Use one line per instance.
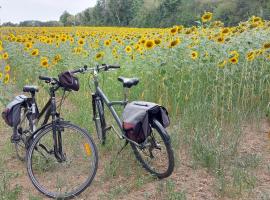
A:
(64, 18)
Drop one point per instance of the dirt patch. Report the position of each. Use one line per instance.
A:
(256, 141)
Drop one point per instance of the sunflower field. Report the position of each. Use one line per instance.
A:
(211, 78)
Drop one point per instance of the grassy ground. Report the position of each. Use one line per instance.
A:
(242, 175)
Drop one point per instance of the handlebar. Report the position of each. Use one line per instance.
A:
(98, 68)
(45, 78)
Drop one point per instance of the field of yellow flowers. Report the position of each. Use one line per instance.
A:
(211, 78)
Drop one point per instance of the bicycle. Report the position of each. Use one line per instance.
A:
(155, 154)
(61, 157)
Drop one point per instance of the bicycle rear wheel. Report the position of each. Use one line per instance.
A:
(157, 155)
(66, 178)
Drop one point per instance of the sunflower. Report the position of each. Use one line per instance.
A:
(207, 16)
(266, 45)
(233, 60)
(174, 43)
(234, 54)
(99, 55)
(250, 56)
(5, 56)
(174, 30)
(35, 52)
(44, 62)
(128, 49)
(157, 41)
(107, 43)
(57, 57)
(81, 42)
(7, 68)
(220, 39)
(28, 45)
(222, 64)
(6, 79)
(149, 44)
(194, 55)
(225, 31)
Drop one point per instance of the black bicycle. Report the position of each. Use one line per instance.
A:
(155, 153)
(61, 157)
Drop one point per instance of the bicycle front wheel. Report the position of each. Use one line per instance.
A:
(100, 121)
(67, 177)
(24, 130)
(157, 155)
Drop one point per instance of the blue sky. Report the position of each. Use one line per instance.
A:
(43, 10)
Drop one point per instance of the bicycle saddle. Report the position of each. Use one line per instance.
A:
(30, 88)
(128, 82)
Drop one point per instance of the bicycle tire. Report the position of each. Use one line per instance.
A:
(169, 151)
(70, 179)
(100, 121)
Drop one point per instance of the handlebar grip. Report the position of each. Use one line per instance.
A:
(114, 66)
(45, 78)
(77, 71)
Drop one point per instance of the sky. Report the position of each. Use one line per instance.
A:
(16, 11)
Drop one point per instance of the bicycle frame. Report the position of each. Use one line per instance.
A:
(49, 110)
(100, 94)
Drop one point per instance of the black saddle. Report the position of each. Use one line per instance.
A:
(30, 88)
(128, 82)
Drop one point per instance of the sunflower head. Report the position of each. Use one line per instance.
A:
(149, 44)
(35, 52)
(6, 78)
(250, 56)
(5, 56)
(234, 60)
(174, 43)
(7, 68)
(194, 55)
(266, 45)
(207, 16)
(44, 62)
(128, 49)
(81, 42)
(99, 55)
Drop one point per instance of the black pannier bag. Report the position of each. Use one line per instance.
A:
(12, 113)
(137, 116)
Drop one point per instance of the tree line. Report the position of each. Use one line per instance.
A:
(160, 13)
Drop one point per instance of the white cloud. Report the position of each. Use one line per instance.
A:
(43, 10)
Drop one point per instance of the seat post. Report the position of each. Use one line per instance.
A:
(126, 91)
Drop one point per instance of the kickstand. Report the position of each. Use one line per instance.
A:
(118, 153)
(126, 143)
